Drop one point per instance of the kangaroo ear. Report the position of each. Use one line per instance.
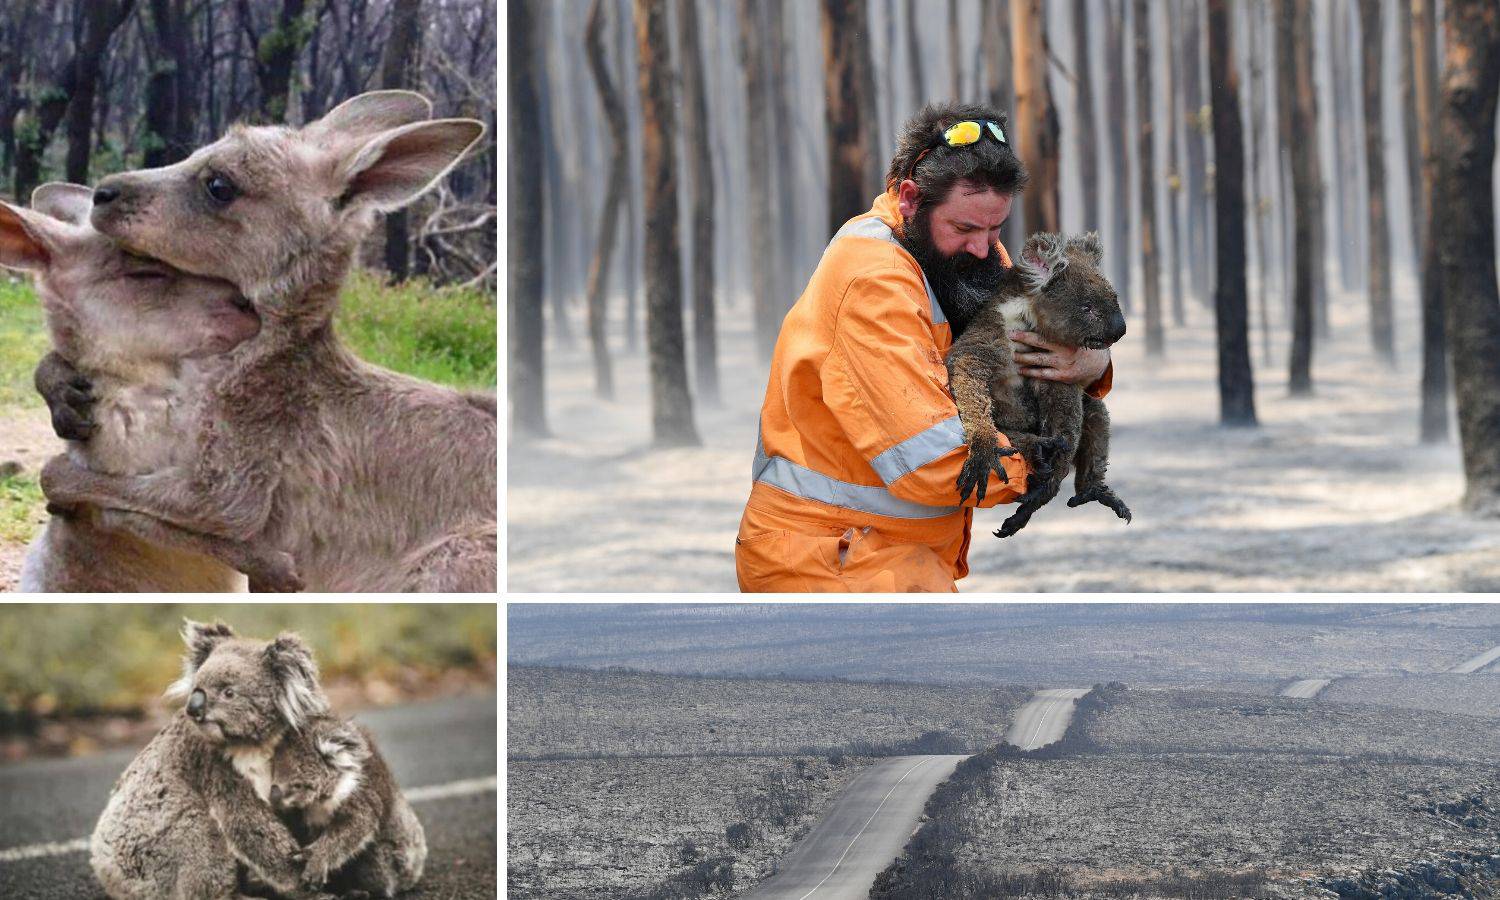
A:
(71, 203)
(299, 697)
(369, 114)
(398, 166)
(201, 640)
(24, 242)
(1042, 258)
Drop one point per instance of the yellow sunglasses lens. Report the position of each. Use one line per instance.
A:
(962, 134)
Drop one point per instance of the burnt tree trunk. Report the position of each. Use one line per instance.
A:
(95, 22)
(1382, 329)
(1119, 189)
(778, 87)
(999, 90)
(1294, 83)
(1036, 117)
(671, 403)
(276, 55)
(1200, 245)
(624, 47)
(1088, 155)
(527, 328)
(1174, 174)
(619, 172)
(1231, 303)
(1434, 415)
(1466, 233)
(766, 307)
(1259, 205)
(1151, 276)
(398, 69)
(169, 87)
(955, 59)
(700, 170)
(1319, 247)
(1409, 125)
(847, 79)
(914, 53)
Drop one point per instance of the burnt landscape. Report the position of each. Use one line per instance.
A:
(630, 784)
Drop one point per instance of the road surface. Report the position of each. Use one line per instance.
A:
(1044, 718)
(1474, 665)
(442, 753)
(862, 833)
(1306, 688)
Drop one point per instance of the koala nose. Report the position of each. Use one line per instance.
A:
(196, 701)
(104, 195)
(276, 794)
(1117, 325)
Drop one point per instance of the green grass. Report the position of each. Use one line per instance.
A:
(21, 505)
(23, 341)
(446, 336)
(69, 659)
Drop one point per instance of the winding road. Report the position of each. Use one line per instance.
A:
(861, 834)
(442, 753)
(1306, 688)
(1469, 667)
(1044, 718)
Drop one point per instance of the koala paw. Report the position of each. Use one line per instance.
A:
(1102, 494)
(315, 874)
(984, 457)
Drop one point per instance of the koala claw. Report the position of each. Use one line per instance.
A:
(984, 456)
(1104, 495)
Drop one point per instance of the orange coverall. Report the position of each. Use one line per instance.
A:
(860, 442)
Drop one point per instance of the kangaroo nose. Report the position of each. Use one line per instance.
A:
(104, 195)
(196, 701)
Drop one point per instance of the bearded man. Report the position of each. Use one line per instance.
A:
(856, 469)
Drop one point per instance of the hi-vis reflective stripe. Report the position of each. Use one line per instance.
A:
(919, 450)
(803, 482)
(875, 227)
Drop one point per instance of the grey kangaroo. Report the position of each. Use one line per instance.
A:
(373, 481)
(150, 339)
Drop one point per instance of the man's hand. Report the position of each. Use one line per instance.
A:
(1059, 362)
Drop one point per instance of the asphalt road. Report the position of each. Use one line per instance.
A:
(1479, 662)
(442, 753)
(1044, 718)
(1306, 688)
(861, 834)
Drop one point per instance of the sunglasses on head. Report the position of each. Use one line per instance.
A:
(962, 134)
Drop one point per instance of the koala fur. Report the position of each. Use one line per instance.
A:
(194, 803)
(361, 837)
(1055, 289)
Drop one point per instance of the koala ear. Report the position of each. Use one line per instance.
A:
(201, 640)
(1042, 259)
(1089, 244)
(298, 694)
(344, 747)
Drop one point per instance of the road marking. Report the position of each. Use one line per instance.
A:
(416, 795)
(855, 839)
(1477, 663)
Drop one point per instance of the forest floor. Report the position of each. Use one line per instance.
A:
(1333, 492)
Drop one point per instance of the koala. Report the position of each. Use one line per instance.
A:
(1055, 289)
(361, 837)
(194, 804)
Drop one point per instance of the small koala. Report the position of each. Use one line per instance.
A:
(1054, 289)
(333, 788)
(194, 805)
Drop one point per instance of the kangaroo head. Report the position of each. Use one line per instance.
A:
(108, 310)
(279, 211)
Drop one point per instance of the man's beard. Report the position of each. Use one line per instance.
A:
(962, 282)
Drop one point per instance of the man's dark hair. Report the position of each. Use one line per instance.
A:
(987, 162)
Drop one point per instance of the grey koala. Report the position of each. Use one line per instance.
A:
(194, 804)
(361, 837)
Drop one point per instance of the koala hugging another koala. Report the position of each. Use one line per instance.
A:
(1056, 290)
(193, 817)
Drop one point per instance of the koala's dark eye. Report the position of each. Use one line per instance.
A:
(221, 189)
(228, 693)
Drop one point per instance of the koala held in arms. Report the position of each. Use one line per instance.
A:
(1054, 289)
(333, 788)
(193, 806)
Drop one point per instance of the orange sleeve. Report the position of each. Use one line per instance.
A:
(887, 386)
(1099, 388)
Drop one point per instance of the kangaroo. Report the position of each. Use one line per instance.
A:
(373, 481)
(150, 339)
(1055, 289)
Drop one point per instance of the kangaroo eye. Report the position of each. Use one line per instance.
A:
(221, 189)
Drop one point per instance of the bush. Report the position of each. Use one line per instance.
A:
(447, 336)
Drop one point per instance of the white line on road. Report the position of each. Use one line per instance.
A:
(855, 839)
(1477, 663)
(416, 795)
